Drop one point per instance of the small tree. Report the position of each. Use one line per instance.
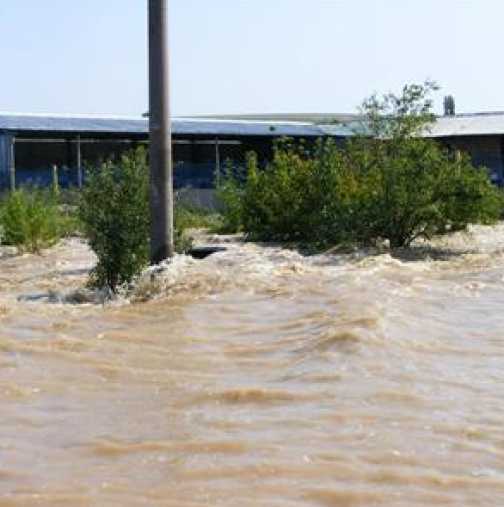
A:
(288, 200)
(114, 208)
(296, 198)
(410, 185)
(388, 182)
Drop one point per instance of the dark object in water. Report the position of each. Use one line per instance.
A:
(202, 252)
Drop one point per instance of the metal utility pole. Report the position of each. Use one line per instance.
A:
(161, 167)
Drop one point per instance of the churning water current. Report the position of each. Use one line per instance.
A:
(258, 377)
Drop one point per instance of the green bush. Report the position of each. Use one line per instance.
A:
(409, 186)
(30, 219)
(389, 184)
(114, 211)
(284, 202)
(115, 216)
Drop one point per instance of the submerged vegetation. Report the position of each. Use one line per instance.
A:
(387, 184)
(32, 219)
(114, 211)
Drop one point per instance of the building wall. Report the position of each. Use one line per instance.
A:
(485, 151)
(5, 162)
(195, 159)
(35, 159)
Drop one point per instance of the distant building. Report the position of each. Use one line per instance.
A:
(30, 145)
(481, 135)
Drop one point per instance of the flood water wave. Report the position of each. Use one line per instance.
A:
(257, 377)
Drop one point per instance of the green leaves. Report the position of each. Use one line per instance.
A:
(114, 208)
(393, 185)
(30, 220)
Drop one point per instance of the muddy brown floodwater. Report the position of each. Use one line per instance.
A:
(258, 377)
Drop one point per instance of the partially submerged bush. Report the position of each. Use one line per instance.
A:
(410, 186)
(30, 219)
(114, 211)
(391, 184)
(417, 189)
(288, 200)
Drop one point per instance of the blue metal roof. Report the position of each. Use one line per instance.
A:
(460, 125)
(85, 124)
(39, 123)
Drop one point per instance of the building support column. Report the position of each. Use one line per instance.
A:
(79, 162)
(55, 180)
(217, 162)
(501, 163)
(12, 164)
(4, 161)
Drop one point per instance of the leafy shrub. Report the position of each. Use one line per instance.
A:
(115, 216)
(30, 219)
(114, 211)
(410, 186)
(390, 184)
(285, 201)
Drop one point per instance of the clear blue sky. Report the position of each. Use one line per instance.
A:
(249, 56)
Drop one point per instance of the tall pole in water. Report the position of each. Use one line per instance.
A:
(160, 151)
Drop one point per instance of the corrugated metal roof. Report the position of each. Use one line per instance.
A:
(245, 128)
(344, 129)
(40, 123)
(180, 126)
(477, 124)
(316, 118)
(445, 126)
